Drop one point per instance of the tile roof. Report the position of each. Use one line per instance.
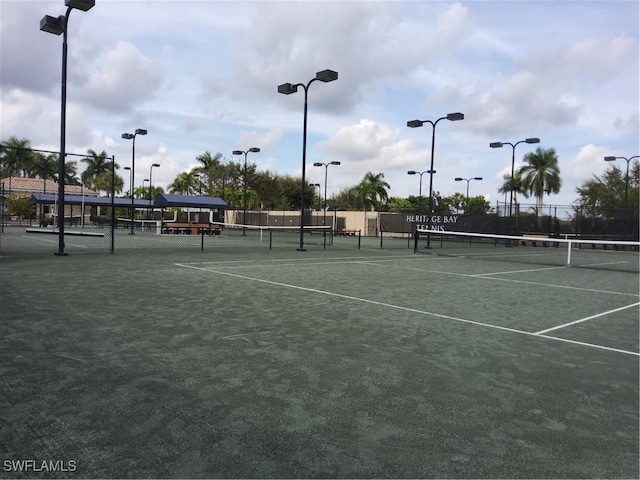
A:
(37, 185)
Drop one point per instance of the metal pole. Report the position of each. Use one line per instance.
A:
(244, 213)
(433, 143)
(304, 164)
(133, 166)
(63, 129)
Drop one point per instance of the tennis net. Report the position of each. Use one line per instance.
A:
(532, 249)
(274, 236)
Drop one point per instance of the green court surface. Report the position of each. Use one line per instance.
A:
(337, 363)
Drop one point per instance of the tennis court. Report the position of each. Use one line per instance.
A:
(247, 362)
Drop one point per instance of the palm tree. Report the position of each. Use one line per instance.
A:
(186, 183)
(540, 174)
(15, 157)
(97, 164)
(372, 190)
(516, 186)
(211, 171)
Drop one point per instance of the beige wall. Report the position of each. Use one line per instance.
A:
(366, 222)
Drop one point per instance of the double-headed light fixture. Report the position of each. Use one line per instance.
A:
(460, 179)
(59, 25)
(287, 89)
(326, 168)
(244, 196)
(513, 162)
(419, 123)
(132, 136)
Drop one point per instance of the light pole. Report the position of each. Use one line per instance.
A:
(132, 136)
(59, 25)
(287, 89)
(151, 182)
(418, 123)
(326, 168)
(626, 181)
(244, 195)
(460, 179)
(513, 162)
(413, 172)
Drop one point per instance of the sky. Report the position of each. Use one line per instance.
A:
(203, 76)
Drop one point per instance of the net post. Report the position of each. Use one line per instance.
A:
(415, 240)
(202, 240)
(270, 237)
(569, 253)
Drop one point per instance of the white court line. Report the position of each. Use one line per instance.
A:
(406, 309)
(56, 241)
(587, 318)
(511, 280)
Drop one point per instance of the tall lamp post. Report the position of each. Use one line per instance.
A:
(414, 172)
(326, 168)
(244, 195)
(59, 25)
(287, 89)
(513, 162)
(626, 184)
(460, 179)
(626, 181)
(151, 182)
(419, 123)
(132, 136)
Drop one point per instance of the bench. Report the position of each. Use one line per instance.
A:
(534, 238)
(347, 232)
(191, 228)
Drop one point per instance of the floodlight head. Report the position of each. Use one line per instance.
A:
(127, 168)
(128, 136)
(318, 164)
(287, 88)
(53, 25)
(455, 116)
(155, 165)
(610, 159)
(532, 140)
(237, 152)
(254, 149)
(496, 144)
(327, 76)
(83, 5)
(431, 171)
(458, 179)
(414, 123)
(411, 172)
(335, 162)
(141, 131)
(477, 178)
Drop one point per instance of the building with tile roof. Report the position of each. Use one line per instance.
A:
(25, 187)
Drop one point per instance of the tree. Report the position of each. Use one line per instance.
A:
(478, 205)
(372, 191)
(15, 157)
(211, 171)
(186, 183)
(540, 174)
(97, 174)
(20, 206)
(517, 186)
(601, 196)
